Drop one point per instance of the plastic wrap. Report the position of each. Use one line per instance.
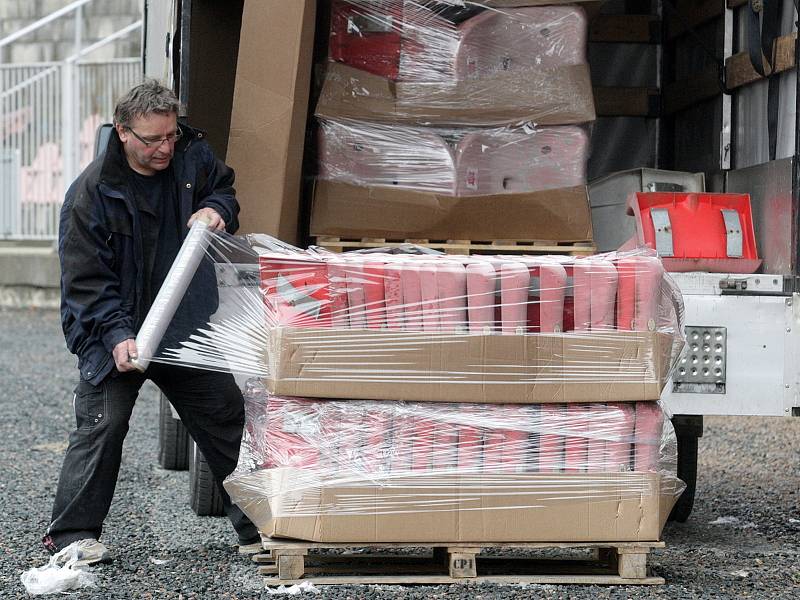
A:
(508, 392)
(504, 329)
(421, 41)
(453, 161)
(377, 439)
(170, 295)
(442, 62)
(513, 294)
(62, 574)
(533, 456)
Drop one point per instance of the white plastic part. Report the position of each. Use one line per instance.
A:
(484, 161)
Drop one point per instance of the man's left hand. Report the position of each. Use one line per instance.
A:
(210, 216)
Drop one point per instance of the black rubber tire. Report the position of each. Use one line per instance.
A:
(204, 495)
(174, 442)
(687, 471)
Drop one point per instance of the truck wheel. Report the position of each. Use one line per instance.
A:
(687, 430)
(173, 439)
(204, 495)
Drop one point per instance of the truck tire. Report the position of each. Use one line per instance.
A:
(173, 439)
(687, 431)
(204, 495)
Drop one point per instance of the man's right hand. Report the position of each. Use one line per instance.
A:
(123, 353)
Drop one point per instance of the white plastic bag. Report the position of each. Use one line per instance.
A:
(295, 590)
(58, 575)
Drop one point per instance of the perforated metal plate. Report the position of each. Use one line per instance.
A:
(702, 366)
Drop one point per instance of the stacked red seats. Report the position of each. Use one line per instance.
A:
(391, 439)
(495, 294)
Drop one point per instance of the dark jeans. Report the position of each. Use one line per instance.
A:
(211, 407)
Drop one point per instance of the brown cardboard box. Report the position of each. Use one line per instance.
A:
(612, 507)
(613, 366)
(270, 106)
(549, 97)
(345, 210)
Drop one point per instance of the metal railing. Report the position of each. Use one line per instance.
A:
(49, 113)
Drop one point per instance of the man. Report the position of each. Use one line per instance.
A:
(122, 224)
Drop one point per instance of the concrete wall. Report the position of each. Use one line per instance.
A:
(56, 41)
(29, 275)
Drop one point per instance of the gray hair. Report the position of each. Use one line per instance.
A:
(145, 99)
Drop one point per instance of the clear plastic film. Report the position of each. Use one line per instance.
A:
(507, 329)
(453, 161)
(423, 41)
(295, 447)
(170, 296)
(448, 62)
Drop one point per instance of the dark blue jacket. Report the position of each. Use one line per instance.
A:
(101, 241)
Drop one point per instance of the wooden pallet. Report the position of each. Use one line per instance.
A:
(338, 244)
(623, 563)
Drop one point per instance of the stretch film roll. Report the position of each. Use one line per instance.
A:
(171, 293)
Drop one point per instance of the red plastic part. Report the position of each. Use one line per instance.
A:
(374, 51)
(297, 290)
(699, 238)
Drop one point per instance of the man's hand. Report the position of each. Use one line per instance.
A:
(210, 216)
(123, 353)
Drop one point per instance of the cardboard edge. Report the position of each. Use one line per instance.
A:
(346, 210)
(655, 506)
(351, 93)
(287, 380)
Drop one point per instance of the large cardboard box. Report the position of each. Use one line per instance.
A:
(614, 366)
(548, 97)
(344, 210)
(612, 507)
(270, 108)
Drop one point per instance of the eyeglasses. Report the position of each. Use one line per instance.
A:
(170, 139)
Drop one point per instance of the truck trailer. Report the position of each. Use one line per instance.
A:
(690, 97)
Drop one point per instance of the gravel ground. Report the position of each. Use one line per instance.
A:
(749, 478)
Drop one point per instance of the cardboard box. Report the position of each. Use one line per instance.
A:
(612, 507)
(270, 107)
(344, 210)
(615, 366)
(548, 97)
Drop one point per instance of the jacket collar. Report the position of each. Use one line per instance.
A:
(112, 173)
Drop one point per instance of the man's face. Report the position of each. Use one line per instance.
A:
(149, 159)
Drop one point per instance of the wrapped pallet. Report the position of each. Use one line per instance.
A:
(376, 471)
(404, 397)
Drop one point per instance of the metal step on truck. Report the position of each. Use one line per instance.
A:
(691, 98)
